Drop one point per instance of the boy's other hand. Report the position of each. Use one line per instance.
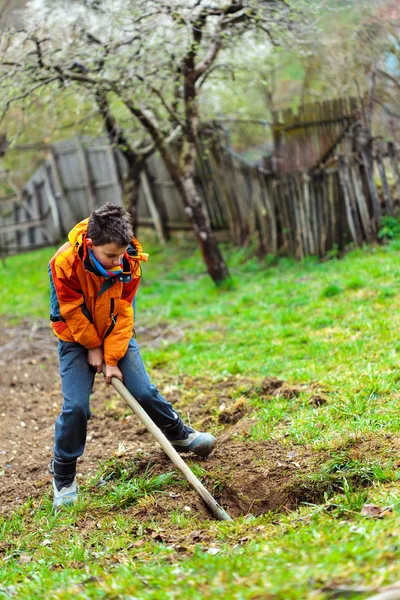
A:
(95, 358)
(113, 372)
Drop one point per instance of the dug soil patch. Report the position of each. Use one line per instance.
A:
(245, 477)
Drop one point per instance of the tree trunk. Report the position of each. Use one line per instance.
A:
(197, 213)
(182, 175)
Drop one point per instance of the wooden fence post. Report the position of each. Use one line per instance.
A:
(394, 161)
(312, 243)
(350, 203)
(361, 202)
(385, 186)
(90, 193)
(51, 198)
(152, 207)
(59, 191)
(366, 155)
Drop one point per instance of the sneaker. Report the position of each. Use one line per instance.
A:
(197, 442)
(65, 491)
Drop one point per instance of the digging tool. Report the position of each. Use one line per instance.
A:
(211, 503)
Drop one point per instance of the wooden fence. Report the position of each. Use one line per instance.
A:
(338, 199)
(79, 176)
(309, 136)
(309, 212)
(76, 178)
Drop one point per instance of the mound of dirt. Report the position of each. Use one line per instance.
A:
(244, 477)
(234, 412)
(271, 386)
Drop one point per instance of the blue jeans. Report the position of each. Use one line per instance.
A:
(77, 382)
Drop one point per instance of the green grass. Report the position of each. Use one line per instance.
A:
(334, 323)
(25, 285)
(284, 557)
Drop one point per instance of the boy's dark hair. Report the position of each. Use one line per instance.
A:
(109, 223)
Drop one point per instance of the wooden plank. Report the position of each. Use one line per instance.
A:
(394, 161)
(366, 155)
(152, 208)
(321, 202)
(342, 226)
(242, 194)
(365, 218)
(176, 225)
(9, 198)
(351, 209)
(295, 207)
(41, 214)
(385, 186)
(21, 225)
(59, 191)
(283, 232)
(88, 184)
(52, 204)
(309, 214)
(261, 214)
(329, 211)
(270, 216)
(303, 213)
(223, 169)
(271, 204)
(220, 177)
(314, 215)
(289, 214)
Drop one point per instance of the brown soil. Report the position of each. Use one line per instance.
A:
(245, 477)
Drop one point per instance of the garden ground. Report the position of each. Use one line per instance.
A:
(294, 367)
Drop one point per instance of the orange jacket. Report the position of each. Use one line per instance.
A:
(80, 310)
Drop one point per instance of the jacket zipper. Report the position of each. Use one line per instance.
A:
(113, 319)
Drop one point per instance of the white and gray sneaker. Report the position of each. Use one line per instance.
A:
(197, 442)
(65, 491)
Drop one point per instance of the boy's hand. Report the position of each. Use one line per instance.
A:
(95, 358)
(113, 372)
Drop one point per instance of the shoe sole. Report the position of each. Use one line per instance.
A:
(65, 502)
(202, 450)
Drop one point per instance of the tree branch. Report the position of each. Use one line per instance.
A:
(174, 116)
(159, 139)
(114, 132)
(388, 76)
(25, 94)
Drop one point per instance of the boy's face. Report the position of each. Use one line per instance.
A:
(109, 255)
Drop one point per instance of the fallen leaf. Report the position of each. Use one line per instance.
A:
(372, 510)
(122, 449)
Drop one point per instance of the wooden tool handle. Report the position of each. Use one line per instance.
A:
(204, 494)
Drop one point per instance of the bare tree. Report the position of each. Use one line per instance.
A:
(147, 59)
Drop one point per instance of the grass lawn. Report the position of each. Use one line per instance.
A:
(333, 323)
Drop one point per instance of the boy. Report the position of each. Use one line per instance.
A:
(93, 281)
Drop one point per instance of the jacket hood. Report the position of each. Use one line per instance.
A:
(75, 236)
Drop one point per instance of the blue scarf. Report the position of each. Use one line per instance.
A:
(102, 271)
(112, 276)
